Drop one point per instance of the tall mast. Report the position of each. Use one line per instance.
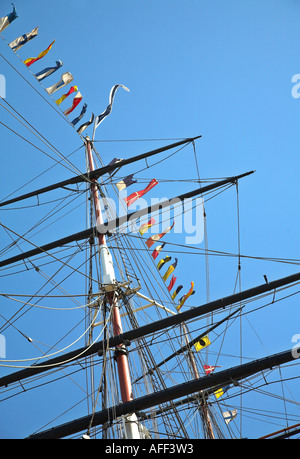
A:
(109, 281)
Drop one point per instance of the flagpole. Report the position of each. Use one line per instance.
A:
(109, 282)
(94, 129)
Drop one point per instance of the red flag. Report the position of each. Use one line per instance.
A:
(138, 194)
(146, 226)
(31, 60)
(157, 250)
(172, 283)
(209, 368)
(64, 96)
(77, 99)
(155, 238)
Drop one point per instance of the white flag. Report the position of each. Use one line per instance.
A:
(19, 42)
(108, 109)
(229, 416)
(6, 20)
(66, 78)
(85, 125)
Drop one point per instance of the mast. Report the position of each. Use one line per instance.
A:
(109, 281)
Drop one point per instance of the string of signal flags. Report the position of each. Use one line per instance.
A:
(129, 200)
(66, 79)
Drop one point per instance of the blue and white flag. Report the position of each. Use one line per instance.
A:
(19, 42)
(4, 22)
(48, 71)
(85, 125)
(83, 110)
(66, 78)
(108, 109)
(229, 415)
(126, 182)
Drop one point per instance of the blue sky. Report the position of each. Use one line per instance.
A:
(218, 69)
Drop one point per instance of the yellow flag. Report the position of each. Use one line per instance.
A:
(31, 60)
(219, 393)
(146, 226)
(202, 343)
(163, 261)
(222, 391)
(176, 292)
(64, 96)
(185, 297)
(170, 270)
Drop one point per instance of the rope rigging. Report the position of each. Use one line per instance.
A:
(138, 270)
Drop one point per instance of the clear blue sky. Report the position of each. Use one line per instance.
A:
(220, 69)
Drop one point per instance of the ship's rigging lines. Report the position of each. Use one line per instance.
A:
(142, 344)
(153, 327)
(88, 177)
(64, 161)
(216, 380)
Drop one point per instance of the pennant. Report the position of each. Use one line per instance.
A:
(220, 392)
(209, 368)
(127, 181)
(108, 109)
(183, 300)
(157, 250)
(170, 270)
(31, 60)
(77, 99)
(83, 110)
(185, 297)
(146, 226)
(157, 237)
(85, 125)
(115, 161)
(229, 415)
(202, 343)
(64, 96)
(66, 78)
(6, 20)
(138, 194)
(163, 261)
(172, 283)
(176, 292)
(19, 42)
(48, 71)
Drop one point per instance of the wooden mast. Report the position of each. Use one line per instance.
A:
(109, 281)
